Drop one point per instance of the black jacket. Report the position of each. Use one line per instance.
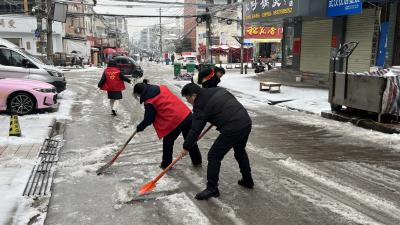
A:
(150, 112)
(220, 108)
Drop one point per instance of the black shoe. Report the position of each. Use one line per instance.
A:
(246, 183)
(197, 164)
(162, 166)
(207, 193)
(114, 113)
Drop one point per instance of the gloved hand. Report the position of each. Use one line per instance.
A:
(138, 129)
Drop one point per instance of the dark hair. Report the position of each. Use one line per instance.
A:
(219, 69)
(112, 63)
(190, 89)
(139, 87)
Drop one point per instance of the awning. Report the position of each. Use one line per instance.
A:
(269, 40)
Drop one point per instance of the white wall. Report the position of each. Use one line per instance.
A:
(23, 27)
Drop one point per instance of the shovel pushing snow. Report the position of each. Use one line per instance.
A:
(152, 184)
(106, 166)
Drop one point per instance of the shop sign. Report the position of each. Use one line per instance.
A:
(7, 23)
(268, 9)
(261, 32)
(344, 7)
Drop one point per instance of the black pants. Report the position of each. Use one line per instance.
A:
(168, 143)
(221, 146)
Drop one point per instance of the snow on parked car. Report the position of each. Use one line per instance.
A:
(25, 96)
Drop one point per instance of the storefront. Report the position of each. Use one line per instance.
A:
(266, 41)
(289, 15)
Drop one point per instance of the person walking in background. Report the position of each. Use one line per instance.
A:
(172, 59)
(112, 81)
(220, 108)
(209, 77)
(170, 117)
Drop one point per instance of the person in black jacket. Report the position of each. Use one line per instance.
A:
(221, 109)
(209, 77)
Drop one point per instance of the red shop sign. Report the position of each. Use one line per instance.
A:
(260, 32)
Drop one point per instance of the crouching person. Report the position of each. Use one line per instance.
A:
(220, 108)
(170, 117)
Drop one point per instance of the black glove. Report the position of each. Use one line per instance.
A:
(139, 129)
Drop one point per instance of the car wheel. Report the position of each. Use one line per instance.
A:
(21, 103)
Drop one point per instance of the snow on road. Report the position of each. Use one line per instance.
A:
(14, 171)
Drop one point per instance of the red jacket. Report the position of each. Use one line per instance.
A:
(113, 81)
(171, 111)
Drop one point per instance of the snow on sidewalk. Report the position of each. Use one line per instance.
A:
(304, 99)
(14, 170)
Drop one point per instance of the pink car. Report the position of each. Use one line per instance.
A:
(24, 96)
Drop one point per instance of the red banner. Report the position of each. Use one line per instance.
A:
(260, 32)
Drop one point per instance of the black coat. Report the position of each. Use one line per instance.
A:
(220, 108)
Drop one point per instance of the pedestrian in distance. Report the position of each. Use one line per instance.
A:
(170, 117)
(112, 81)
(172, 58)
(209, 77)
(220, 108)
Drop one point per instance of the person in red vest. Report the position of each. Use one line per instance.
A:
(112, 81)
(170, 117)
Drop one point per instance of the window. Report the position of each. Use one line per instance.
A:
(125, 61)
(28, 45)
(16, 59)
(15, 41)
(40, 46)
(5, 57)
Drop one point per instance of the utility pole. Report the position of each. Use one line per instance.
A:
(26, 7)
(208, 33)
(161, 51)
(49, 29)
(241, 40)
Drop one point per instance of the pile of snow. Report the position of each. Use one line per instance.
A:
(35, 127)
(181, 210)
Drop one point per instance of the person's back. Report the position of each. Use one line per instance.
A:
(222, 109)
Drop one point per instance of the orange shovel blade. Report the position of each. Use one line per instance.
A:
(147, 187)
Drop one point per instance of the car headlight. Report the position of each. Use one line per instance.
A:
(45, 90)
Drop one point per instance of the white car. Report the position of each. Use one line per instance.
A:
(188, 60)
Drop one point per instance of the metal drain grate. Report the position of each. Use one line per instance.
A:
(41, 178)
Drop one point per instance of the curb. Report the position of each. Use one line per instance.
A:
(361, 122)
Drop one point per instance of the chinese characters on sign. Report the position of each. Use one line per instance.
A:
(259, 9)
(340, 7)
(7, 24)
(260, 32)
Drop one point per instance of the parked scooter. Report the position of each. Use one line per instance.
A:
(260, 67)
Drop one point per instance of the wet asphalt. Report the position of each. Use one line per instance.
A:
(304, 173)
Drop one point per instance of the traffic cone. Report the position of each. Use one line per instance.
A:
(14, 126)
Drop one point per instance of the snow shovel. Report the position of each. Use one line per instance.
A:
(152, 184)
(106, 166)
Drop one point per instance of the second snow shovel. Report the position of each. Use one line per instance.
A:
(152, 184)
(103, 168)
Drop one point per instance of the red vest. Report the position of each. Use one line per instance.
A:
(171, 111)
(113, 81)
